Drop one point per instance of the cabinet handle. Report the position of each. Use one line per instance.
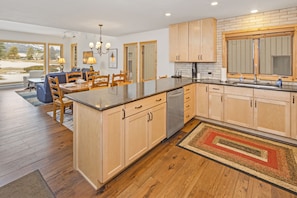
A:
(158, 100)
(215, 89)
(255, 104)
(251, 103)
(148, 117)
(188, 106)
(206, 89)
(140, 106)
(293, 99)
(187, 98)
(221, 98)
(124, 114)
(151, 116)
(187, 89)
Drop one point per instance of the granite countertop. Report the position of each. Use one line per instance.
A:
(103, 99)
(106, 98)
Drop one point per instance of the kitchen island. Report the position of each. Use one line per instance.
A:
(114, 127)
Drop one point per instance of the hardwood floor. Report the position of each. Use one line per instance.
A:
(30, 139)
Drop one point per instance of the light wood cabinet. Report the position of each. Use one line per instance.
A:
(136, 136)
(238, 106)
(96, 159)
(178, 40)
(189, 102)
(202, 40)
(157, 125)
(294, 115)
(145, 126)
(216, 102)
(193, 41)
(272, 111)
(202, 100)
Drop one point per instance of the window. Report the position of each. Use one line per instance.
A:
(55, 51)
(267, 53)
(18, 58)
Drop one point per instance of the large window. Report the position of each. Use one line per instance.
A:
(268, 53)
(18, 58)
(55, 51)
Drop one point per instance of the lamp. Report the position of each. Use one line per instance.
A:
(91, 60)
(62, 62)
(99, 44)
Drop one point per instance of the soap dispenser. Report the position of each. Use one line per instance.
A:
(279, 82)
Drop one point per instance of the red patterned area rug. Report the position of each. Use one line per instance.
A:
(271, 161)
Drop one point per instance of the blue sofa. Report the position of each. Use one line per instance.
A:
(43, 90)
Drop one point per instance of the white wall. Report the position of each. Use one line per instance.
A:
(162, 36)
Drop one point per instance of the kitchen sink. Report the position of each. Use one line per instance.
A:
(255, 85)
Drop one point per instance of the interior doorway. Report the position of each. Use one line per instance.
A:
(148, 60)
(130, 61)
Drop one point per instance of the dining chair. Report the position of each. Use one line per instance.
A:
(73, 76)
(100, 81)
(58, 100)
(118, 78)
(89, 75)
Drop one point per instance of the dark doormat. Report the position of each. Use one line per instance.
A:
(28, 186)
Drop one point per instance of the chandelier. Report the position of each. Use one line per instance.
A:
(99, 44)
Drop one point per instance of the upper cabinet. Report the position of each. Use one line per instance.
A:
(179, 42)
(193, 41)
(202, 40)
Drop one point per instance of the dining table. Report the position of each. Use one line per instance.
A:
(67, 88)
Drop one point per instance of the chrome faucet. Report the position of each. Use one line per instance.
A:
(255, 78)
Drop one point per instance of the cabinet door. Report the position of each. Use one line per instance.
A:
(294, 115)
(113, 144)
(272, 116)
(202, 100)
(238, 110)
(209, 40)
(136, 136)
(202, 40)
(215, 106)
(178, 42)
(157, 125)
(195, 35)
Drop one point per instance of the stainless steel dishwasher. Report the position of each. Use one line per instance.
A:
(175, 111)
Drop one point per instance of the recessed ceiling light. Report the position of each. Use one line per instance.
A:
(167, 14)
(254, 11)
(214, 3)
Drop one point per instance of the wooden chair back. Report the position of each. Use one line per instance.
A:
(89, 75)
(118, 78)
(100, 81)
(55, 88)
(73, 76)
(58, 99)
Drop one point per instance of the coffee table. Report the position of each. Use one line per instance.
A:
(33, 81)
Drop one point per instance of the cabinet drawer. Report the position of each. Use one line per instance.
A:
(189, 88)
(188, 115)
(189, 96)
(216, 88)
(188, 105)
(143, 104)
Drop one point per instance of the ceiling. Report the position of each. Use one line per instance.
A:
(119, 17)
